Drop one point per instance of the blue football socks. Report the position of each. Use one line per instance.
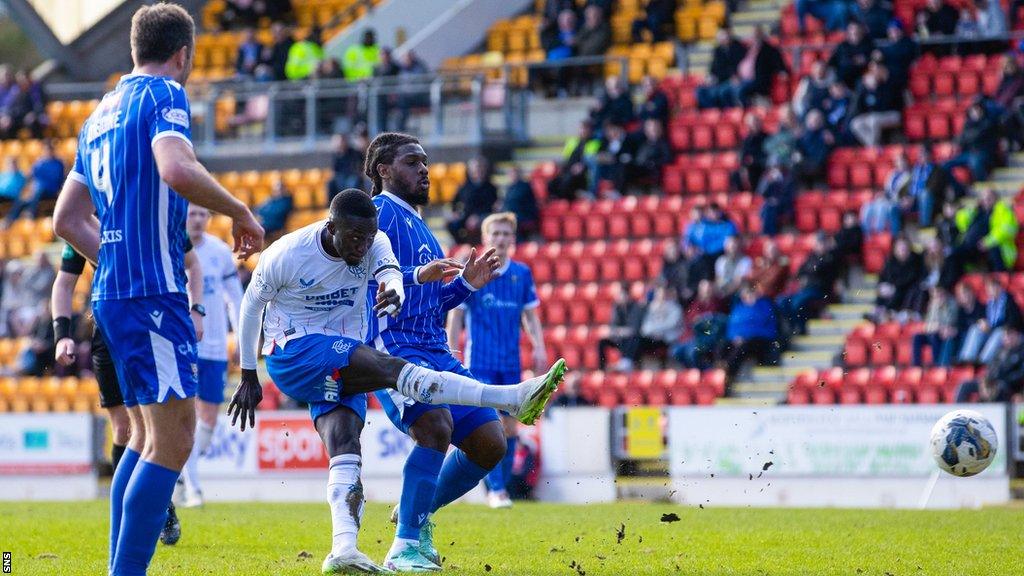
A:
(419, 482)
(145, 511)
(122, 474)
(458, 476)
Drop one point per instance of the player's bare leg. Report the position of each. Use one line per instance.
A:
(339, 430)
(370, 370)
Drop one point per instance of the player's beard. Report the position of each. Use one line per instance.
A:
(413, 194)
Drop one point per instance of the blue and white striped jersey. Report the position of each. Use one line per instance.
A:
(421, 321)
(493, 319)
(142, 248)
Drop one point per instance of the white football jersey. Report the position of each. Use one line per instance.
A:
(309, 292)
(222, 296)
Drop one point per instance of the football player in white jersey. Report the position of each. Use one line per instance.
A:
(312, 285)
(222, 297)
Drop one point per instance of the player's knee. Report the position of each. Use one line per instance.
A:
(433, 430)
(489, 451)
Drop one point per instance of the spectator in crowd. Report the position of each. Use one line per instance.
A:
(658, 20)
(304, 56)
(901, 274)
(675, 272)
(410, 67)
(876, 107)
(833, 14)
(361, 59)
(983, 338)
(813, 147)
(569, 395)
(732, 268)
(850, 238)
(238, 13)
(988, 235)
(771, 271)
(725, 59)
(12, 181)
(329, 69)
(874, 16)
(817, 278)
(836, 111)
(573, 175)
(897, 181)
(275, 57)
(249, 53)
(23, 107)
(47, 179)
(655, 104)
(1005, 375)
(595, 36)
(663, 319)
(752, 155)
(561, 44)
(937, 19)
(977, 146)
(926, 185)
(610, 161)
(968, 312)
(946, 230)
(939, 332)
(757, 70)
(778, 190)
(991, 18)
(473, 202)
(348, 167)
(704, 324)
(274, 211)
(386, 66)
(627, 315)
(652, 154)
(1006, 96)
(897, 56)
(880, 215)
(615, 105)
(752, 331)
(813, 90)
(850, 57)
(967, 25)
(706, 237)
(521, 201)
(780, 147)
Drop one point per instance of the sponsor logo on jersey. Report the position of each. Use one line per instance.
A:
(111, 236)
(175, 116)
(492, 301)
(158, 318)
(328, 302)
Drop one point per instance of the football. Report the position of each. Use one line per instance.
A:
(964, 443)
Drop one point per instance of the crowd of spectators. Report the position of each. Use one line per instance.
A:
(22, 105)
(24, 312)
(23, 192)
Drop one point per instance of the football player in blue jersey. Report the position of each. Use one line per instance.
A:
(492, 317)
(397, 166)
(137, 171)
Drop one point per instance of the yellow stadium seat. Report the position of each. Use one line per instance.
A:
(4, 406)
(291, 178)
(19, 405)
(49, 388)
(8, 388)
(39, 404)
(60, 405)
(303, 197)
(83, 405)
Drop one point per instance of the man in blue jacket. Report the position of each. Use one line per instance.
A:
(707, 237)
(753, 330)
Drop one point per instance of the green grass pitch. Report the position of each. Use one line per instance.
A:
(292, 539)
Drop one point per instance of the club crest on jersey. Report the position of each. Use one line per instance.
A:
(175, 116)
(341, 346)
(357, 271)
(307, 283)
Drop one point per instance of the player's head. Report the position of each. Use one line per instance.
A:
(197, 220)
(397, 163)
(352, 225)
(499, 232)
(164, 34)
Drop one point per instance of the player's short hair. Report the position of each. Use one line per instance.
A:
(382, 150)
(353, 202)
(498, 218)
(159, 31)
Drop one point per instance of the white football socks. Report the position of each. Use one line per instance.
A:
(204, 437)
(432, 387)
(345, 495)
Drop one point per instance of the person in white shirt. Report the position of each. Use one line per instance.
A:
(222, 297)
(312, 284)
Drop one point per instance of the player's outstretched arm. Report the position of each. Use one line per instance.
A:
(179, 168)
(456, 321)
(60, 309)
(73, 219)
(262, 289)
(534, 331)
